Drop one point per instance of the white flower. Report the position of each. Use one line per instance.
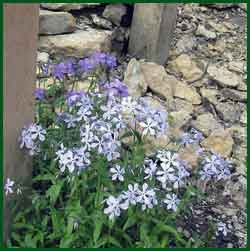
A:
(117, 173)
(114, 206)
(36, 131)
(172, 201)
(128, 105)
(149, 127)
(222, 228)
(8, 186)
(67, 160)
(165, 175)
(150, 168)
(147, 197)
(131, 196)
(168, 158)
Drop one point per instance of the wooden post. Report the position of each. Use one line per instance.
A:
(20, 46)
(152, 31)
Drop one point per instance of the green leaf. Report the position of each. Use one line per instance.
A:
(67, 241)
(54, 191)
(113, 241)
(129, 223)
(97, 229)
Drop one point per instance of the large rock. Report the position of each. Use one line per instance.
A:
(179, 118)
(115, 12)
(223, 76)
(188, 93)
(78, 44)
(67, 6)
(51, 22)
(187, 67)
(134, 79)
(206, 123)
(159, 81)
(234, 95)
(219, 141)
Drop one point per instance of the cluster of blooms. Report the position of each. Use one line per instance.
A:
(168, 169)
(223, 228)
(31, 136)
(194, 136)
(215, 167)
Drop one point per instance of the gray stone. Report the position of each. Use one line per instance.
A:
(243, 117)
(237, 66)
(188, 93)
(42, 57)
(219, 6)
(152, 30)
(206, 123)
(223, 76)
(185, 44)
(229, 112)
(78, 44)
(219, 141)
(179, 118)
(101, 22)
(114, 13)
(186, 66)
(51, 22)
(134, 78)
(202, 31)
(234, 95)
(67, 6)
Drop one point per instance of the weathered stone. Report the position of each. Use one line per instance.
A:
(202, 31)
(223, 76)
(159, 81)
(219, 141)
(239, 134)
(237, 66)
(154, 102)
(152, 30)
(210, 95)
(115, 12)
(67, 6)
(240, 155)
(51, 22)
(188, 93)
(78, 44)
(229, 112)
(42, 57)
(187, 67)
(219, 6)
(243, 117)
(219, 27)
(182, 104)
(179, 118)
(101, 22)
(185, 44)
(134, 78)
(206, 123)
(234, 95)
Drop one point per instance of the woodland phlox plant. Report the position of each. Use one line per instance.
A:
(93, 185)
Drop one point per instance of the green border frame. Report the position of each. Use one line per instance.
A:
(2, 112)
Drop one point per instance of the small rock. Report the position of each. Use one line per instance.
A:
(223, 76)
(188, 93)
(78, 44)
(229, 112)
(181, 104)
(219, 141)
(206, 123)
(115, 12)
(179, 118)
(210, 95)
(187, 67)
(239, 135)
(101, 22)
(190, 154)
(51, 23)
(234, 95)
(237, 66)
(243, 117)
(134, 78)
(67, 6)
(202, 31)
(219, 27)
(219, 6)
(185, 44)
(42, 57)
